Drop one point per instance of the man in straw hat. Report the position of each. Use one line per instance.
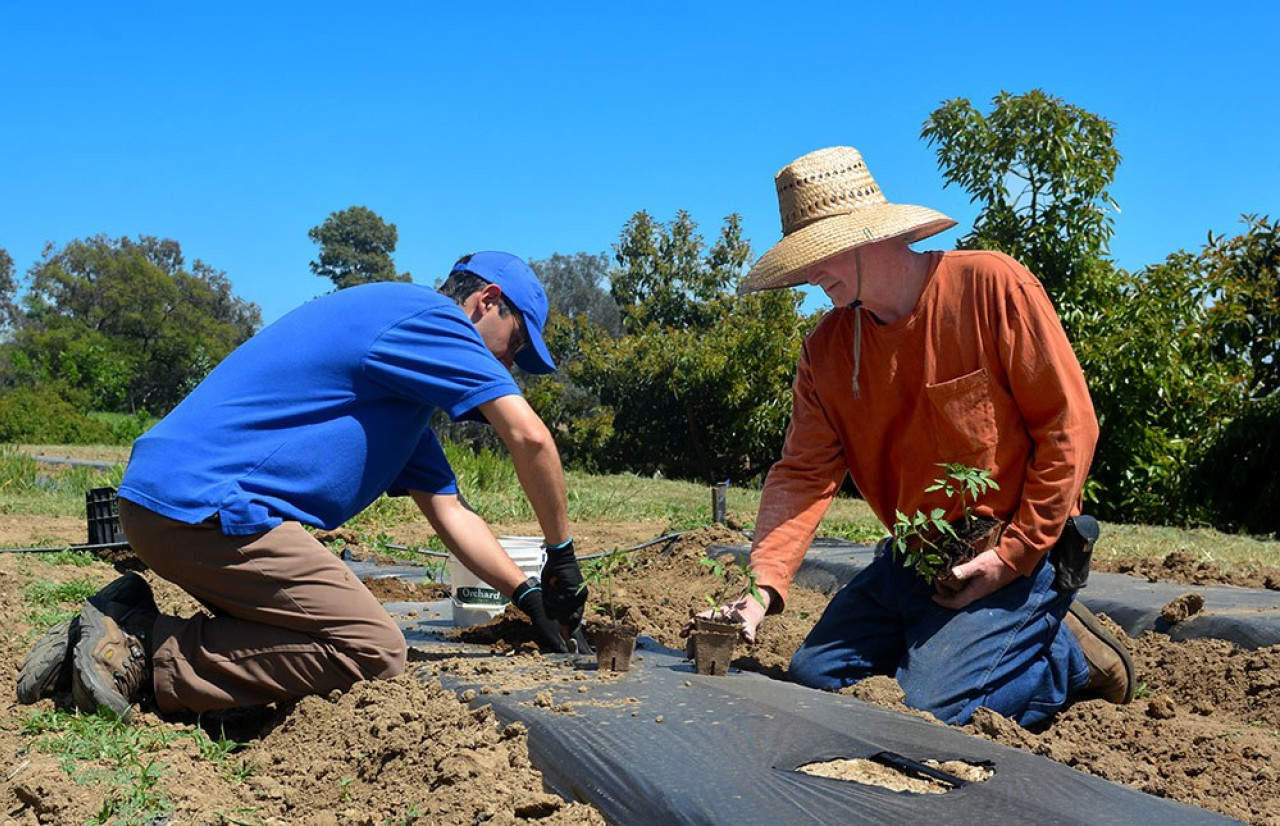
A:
(930, 359)
(307, 423)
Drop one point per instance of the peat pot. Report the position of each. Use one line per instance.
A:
(712, 651)
(614, 646)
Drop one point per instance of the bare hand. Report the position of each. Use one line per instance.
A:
(985, 574)
(746, 610)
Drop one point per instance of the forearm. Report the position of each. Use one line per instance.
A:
(469, 538)
(790, 510)
(541, 475)
(1052, 397)
(537, 462)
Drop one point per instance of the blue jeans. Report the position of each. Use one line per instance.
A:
(1008, 651)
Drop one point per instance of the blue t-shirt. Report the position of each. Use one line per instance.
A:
(320, 413)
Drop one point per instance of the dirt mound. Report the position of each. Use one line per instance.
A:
(406, 746)
(1205, 729)
(1182, 566)
(398, 751)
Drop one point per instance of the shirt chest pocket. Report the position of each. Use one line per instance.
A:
(964, 419)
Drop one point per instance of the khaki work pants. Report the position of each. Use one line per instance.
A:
(290, 619)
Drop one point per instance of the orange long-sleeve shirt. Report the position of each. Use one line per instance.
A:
(980, 373)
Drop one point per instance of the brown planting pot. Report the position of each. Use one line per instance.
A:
(614, 647)
(712, 651)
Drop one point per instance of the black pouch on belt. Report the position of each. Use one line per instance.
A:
(1072, 554)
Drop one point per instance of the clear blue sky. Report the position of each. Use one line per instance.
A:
(234, 127)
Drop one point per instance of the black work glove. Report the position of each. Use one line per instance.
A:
(563, 592)
(529, 597)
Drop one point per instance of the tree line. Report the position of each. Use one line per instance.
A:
(665, 370)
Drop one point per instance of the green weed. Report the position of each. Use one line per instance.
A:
(49, 603)
(45, 594)
(67, 556)
(132, 773)
(100, 749)
(407, 819)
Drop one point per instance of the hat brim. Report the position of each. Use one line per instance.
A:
(535, 358)
(784, 264)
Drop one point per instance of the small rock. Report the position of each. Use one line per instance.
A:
(1161, 707)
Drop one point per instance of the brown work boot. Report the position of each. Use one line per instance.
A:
(112, 665)
(46, 670)
(1111, 675)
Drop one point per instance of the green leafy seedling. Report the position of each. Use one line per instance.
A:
(731, 577)
(599, 571)
(932, 530)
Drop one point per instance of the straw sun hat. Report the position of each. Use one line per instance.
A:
(830, 203)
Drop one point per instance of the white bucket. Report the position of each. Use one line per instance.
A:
(476, 601)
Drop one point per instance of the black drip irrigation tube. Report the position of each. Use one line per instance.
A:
(669, 538)
(97, 546)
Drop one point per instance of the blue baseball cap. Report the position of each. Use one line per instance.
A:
(523, 290)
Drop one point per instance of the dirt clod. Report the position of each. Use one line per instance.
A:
(1182, 607)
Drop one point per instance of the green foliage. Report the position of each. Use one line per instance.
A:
(121, 326)
(599, 571)
(929, 531)
(355, 248)
(965, 484)
(576, 286)
(43, 593)
(126, 427)
(699, 386)
(920, 539)
(1232, 483)
(1040, 168)
(1243, 314)
(663, 278)
(8, 290)
(69, 557)
(1154, 383)
(41, 415)
(734, 576)
(49, 603)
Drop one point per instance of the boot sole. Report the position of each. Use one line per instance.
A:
(1091, 622)
(46, 669)
(90, 691)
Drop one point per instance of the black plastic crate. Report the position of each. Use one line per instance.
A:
(102, 510)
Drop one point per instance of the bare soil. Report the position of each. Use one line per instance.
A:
(1205, 729)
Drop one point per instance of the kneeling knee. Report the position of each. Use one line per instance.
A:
(383, 655)
(807, 670)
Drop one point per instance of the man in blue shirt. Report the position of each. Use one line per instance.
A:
(308, 423)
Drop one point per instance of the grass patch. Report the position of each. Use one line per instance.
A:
(28, 486)
(49, 603)
(67, 556)
(488, 481)
(100, 749)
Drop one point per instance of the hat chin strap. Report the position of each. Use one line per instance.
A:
(857, 325)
